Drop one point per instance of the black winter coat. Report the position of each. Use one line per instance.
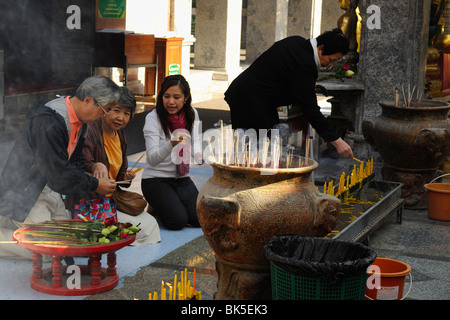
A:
(284, 74)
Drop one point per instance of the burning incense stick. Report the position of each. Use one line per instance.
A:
(307, 149)
(221, 143)
(396, 97)
(137, 161)
(236, 148)
(211, 149)
(409, 93)
(404, 98)
(265, 151)
(412, 94)
(124, 182)
(420, 98)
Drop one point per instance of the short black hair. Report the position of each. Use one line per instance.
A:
(333, 41)
(127, 99)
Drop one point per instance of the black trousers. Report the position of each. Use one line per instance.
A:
(173, 200)
(251, 112)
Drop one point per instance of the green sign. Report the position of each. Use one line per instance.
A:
(174, 69)
(111, 9)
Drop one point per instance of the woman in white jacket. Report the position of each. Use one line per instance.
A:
(170, 131)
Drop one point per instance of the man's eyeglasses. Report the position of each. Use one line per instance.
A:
(104, 111)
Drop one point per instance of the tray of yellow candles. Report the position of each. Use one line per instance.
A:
(365, 203)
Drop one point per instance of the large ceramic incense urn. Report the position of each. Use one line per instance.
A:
(413, 141)
(240, 209)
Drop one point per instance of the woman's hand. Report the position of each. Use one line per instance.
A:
(129, 175)
(100, 171)
(198, 158)
(180, 137)
(342, 148)
(106, 186)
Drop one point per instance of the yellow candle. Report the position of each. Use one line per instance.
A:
(175, 287)
(185, 283)
(136, 170)
(352, 179)
(149, 296)
(193, 284)
(170, 293)
(181, 284)
(82, 218)
(325, 187)
(371, 165)
(163, 291)
(155, 296)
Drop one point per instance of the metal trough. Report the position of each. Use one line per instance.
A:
(376, 202)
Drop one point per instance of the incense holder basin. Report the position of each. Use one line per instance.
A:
(240, 209)
(412, 142)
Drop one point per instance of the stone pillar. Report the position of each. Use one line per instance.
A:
(266, 24)
(394, 40)
(309, 18)
(299, 18)
(182, 17)
(218, 34)
(2, 85)
(331, 12)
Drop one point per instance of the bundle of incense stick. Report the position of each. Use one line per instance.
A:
(233, 149)
(407, 97)
(136, 162)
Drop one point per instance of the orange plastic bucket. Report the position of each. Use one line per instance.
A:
(389, 281)
(438, 196)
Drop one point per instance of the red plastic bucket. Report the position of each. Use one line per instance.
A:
(438, 198)
(388, 281)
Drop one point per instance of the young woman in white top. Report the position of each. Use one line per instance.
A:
(171, 133)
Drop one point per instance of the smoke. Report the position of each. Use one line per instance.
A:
(41, 52)
(24, 32)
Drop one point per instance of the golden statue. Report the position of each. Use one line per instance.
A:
(348, 22)
(433, 71)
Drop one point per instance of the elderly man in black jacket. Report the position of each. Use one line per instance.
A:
(45, 161)
(286, 74)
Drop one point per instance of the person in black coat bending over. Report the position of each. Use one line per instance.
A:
(286, 74)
